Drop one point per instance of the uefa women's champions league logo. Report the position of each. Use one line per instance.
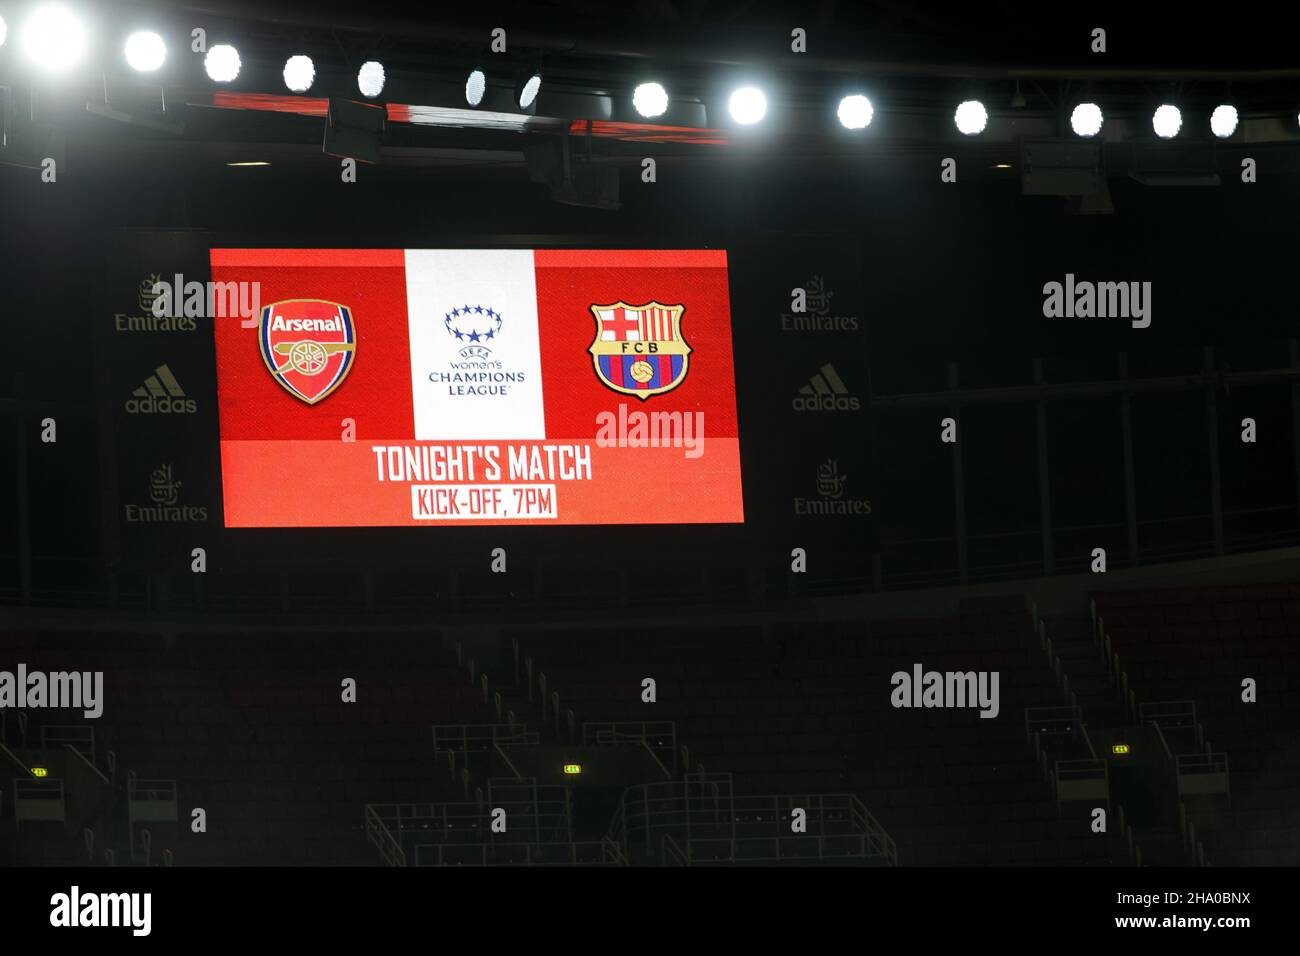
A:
(308, 345)
(474, 326)
(481, 371)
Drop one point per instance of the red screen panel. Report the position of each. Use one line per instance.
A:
(442, 386)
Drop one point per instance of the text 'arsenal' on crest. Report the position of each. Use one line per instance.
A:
(308, 345)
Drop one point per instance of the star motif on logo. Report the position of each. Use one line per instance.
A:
(473, 330)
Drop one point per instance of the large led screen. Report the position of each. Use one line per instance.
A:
(372, 387)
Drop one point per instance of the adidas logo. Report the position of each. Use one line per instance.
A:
(160, 394)
(825, 392)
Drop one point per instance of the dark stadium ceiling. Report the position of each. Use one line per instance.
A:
(992, 40)
(915, 60)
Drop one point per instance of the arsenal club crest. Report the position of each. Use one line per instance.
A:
(639, 349)
(309, 346)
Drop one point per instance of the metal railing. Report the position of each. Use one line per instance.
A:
(659, 737)
(1053, 658)
(1128, 834)
(646, 811)
(395, 827)
(671, 853)
(1173, 715)
(1203, 774)
(1063, 724)
(149, 801)
(838, 829)
(560, 853)
(80, 738)
(1110, 662)
(156, 794)
(39, 800)
(470, 738)
(381, 837)
(447, 833)
(1076, 780)
(1064, 720)
(505, 759)
(699, 820)
(546, 810)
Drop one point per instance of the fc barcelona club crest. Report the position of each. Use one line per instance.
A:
(308, 345)
(639, 349)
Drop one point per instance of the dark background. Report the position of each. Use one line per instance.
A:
(945, 273)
